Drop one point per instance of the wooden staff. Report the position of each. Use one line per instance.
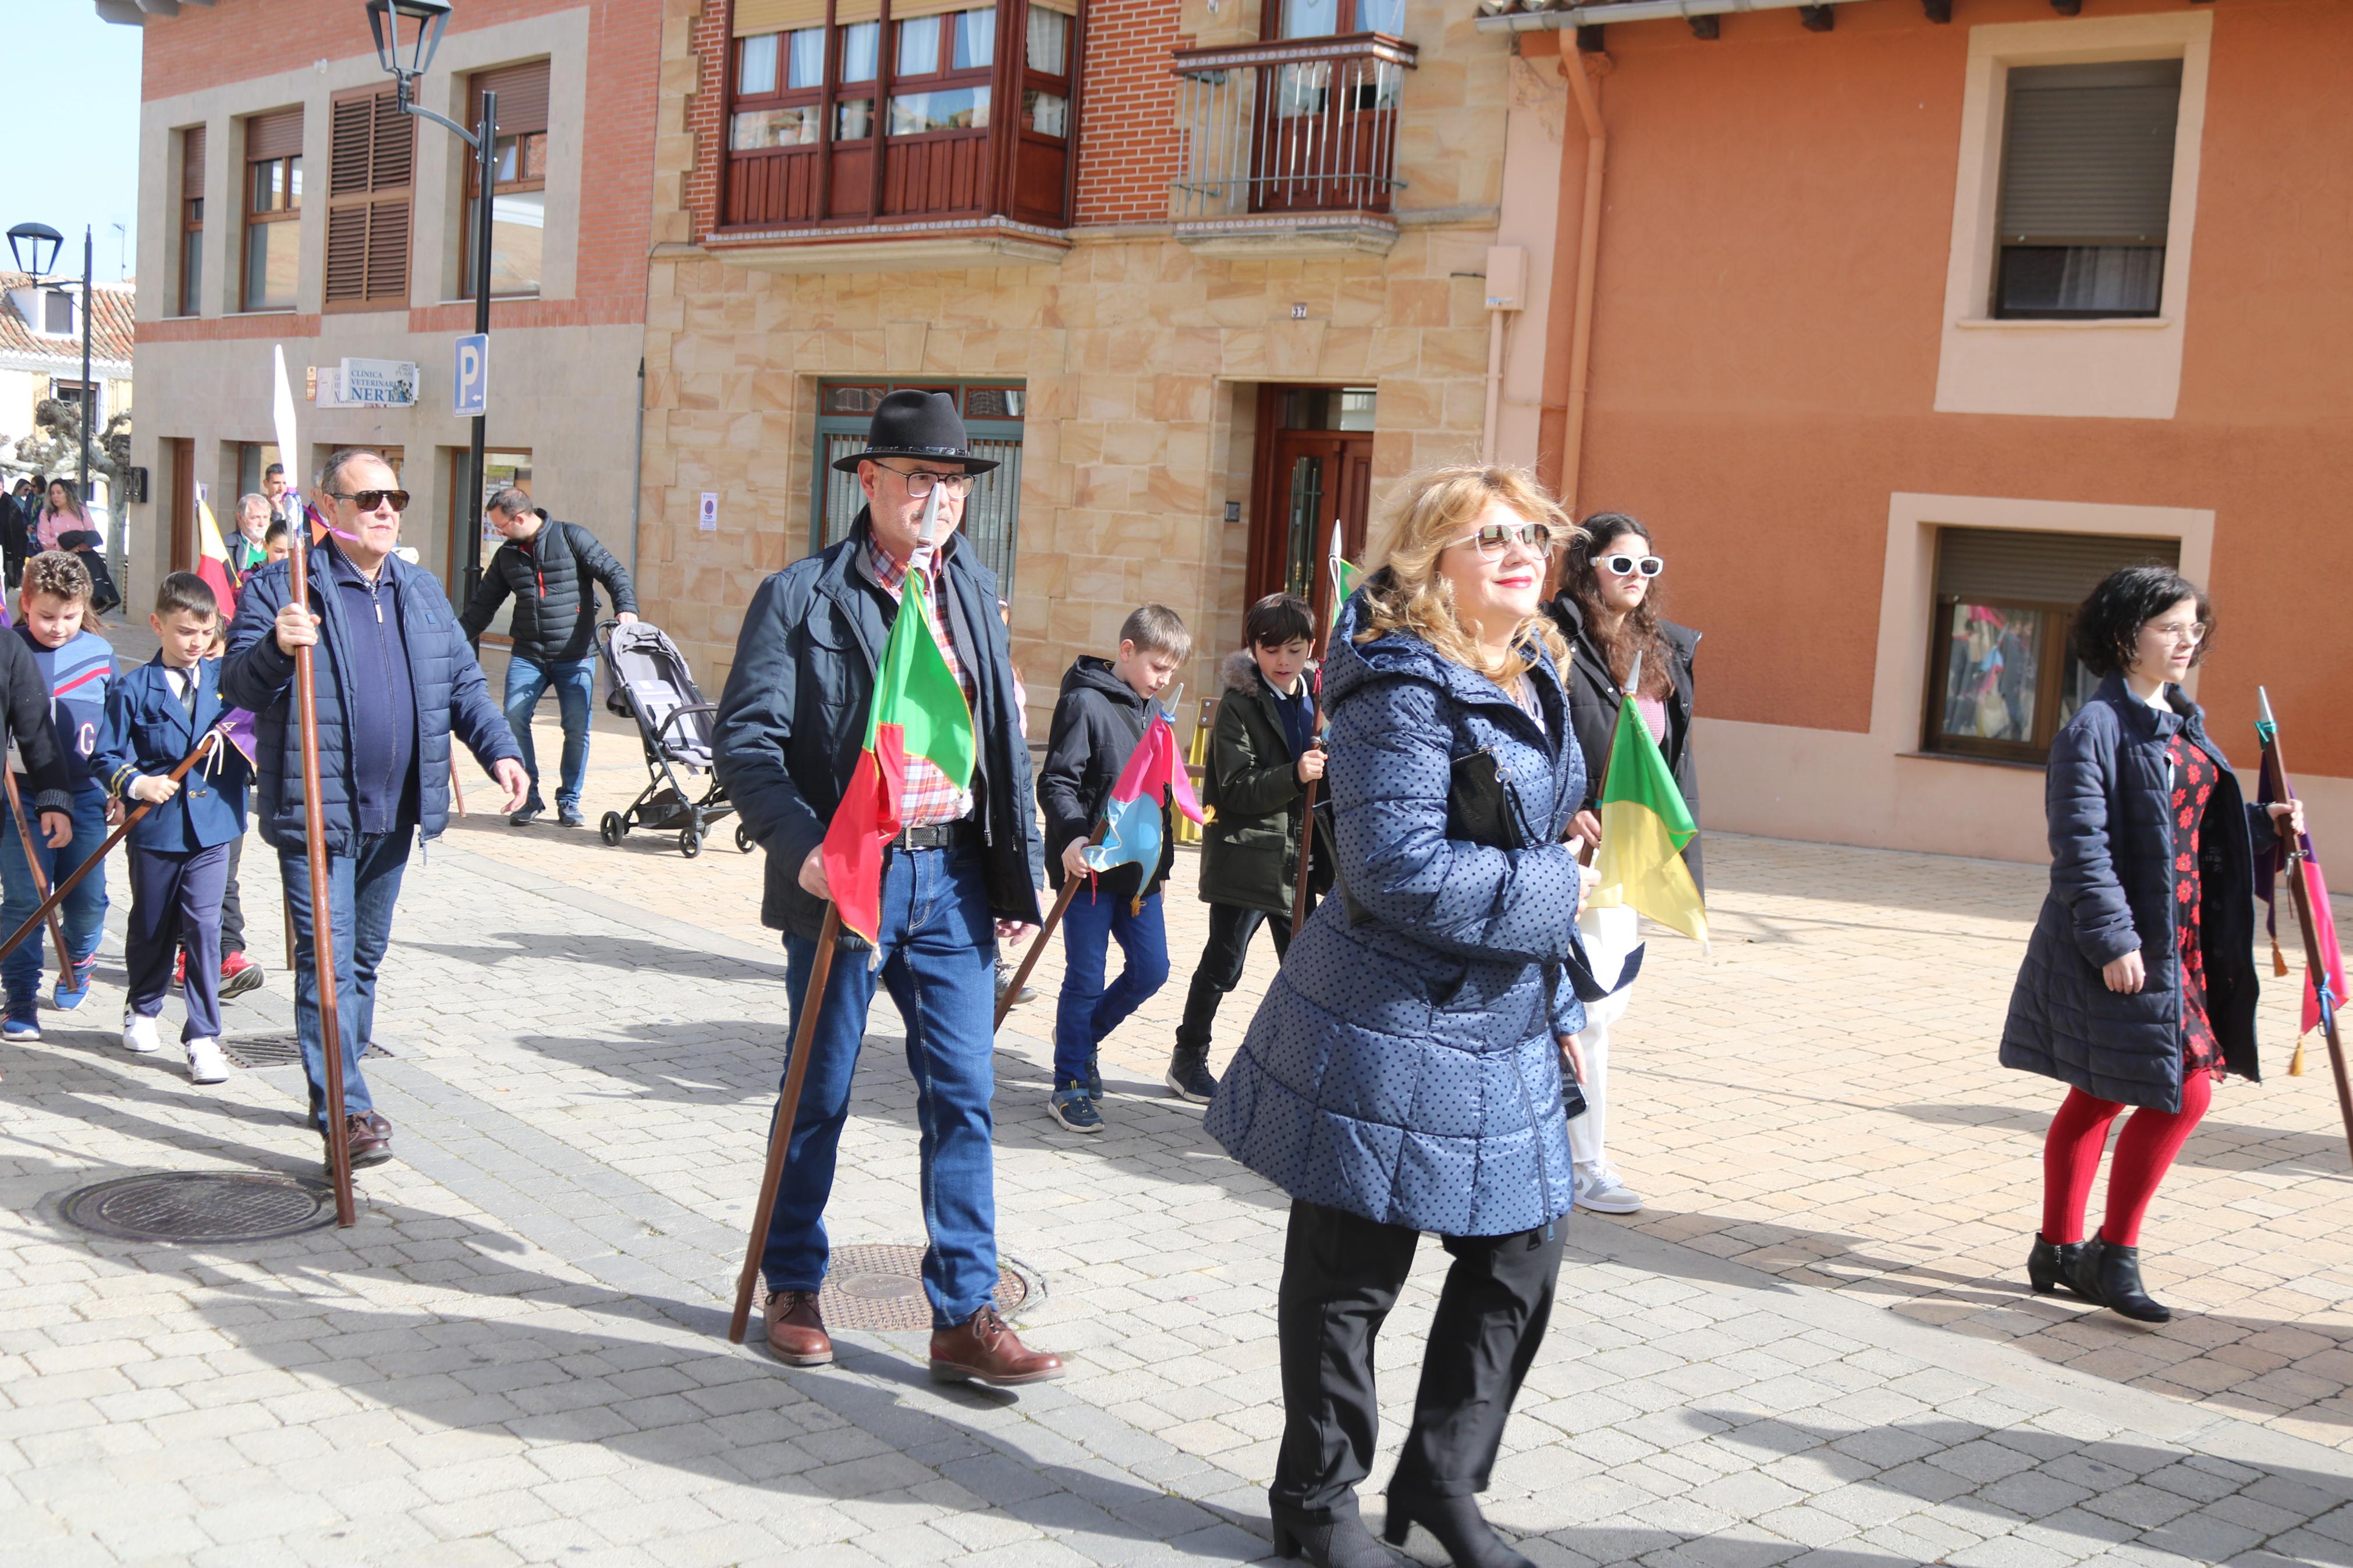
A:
(73, 878)
(1307, 815)
(780, 1130)
(457, 790)
(322, 919)
(40, 878)
(1045, 935)
(2315, 963)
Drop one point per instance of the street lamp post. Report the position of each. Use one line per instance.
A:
(34, 247)
(385, 17)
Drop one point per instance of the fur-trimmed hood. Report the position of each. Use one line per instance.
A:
(1237, 672)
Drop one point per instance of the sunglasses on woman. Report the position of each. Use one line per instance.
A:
(1494, 539)
(368, 500)
(1627, 565)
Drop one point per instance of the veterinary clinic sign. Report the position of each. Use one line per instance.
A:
(369, 383)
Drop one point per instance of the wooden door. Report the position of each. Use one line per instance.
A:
(183, 503)
(1307, 483)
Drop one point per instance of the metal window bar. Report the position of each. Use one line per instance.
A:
(1299, 127)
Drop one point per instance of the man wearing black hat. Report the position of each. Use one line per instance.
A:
(961, 874)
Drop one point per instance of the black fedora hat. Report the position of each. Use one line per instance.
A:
(911, 424)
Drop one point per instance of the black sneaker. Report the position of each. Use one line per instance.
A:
(1093, 1085)
(1190, 1077)
(526, 816)
(569, 817)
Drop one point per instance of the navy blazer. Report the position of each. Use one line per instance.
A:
(148, 729)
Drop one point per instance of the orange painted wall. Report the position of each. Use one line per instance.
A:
(1779, 217)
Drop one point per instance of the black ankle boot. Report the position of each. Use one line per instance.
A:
(1340, 1541)
(1458, 1525)
(2051, 1266)
(2110, 1275)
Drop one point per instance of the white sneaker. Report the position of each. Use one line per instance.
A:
(206, 1062)
(1600, 1190)
(138, 1034)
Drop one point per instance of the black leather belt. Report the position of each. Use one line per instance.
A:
(939, 836)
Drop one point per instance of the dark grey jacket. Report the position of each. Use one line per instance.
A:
(553, 576)
(1593, 701)
(2113, 882)
(1098, 719)
(792, 722)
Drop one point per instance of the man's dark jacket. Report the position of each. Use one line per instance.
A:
(1593, 701)
(451, 697)
(792, 721)
(1098, 719)
(27, 694)
(552, 576)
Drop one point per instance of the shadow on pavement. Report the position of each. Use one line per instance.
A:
(2214, 1146)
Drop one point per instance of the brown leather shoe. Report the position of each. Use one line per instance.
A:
(796, 1333)
(982, 1348)
(382, 1128)
(365, 1145)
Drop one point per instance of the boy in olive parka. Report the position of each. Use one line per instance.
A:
(1263, 753)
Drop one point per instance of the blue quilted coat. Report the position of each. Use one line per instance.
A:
(1402, 1065)
(451, 696)
(2116, 847)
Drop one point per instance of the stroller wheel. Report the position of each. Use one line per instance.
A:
(690, 842)
(612, 827)
(743, 840)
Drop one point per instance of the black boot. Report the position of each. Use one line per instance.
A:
(2110, 1275)
(1338, 1541)
(1190, 1077)
(2051, 1266)
(1458, 1525)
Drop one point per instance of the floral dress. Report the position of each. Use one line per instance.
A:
(2194, 776)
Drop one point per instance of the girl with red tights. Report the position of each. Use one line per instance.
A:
(2138, 987)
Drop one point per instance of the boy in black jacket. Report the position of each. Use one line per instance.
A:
(1100, 715)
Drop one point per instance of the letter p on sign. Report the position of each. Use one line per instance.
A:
(471, 391)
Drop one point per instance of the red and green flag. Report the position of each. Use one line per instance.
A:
(918, 711)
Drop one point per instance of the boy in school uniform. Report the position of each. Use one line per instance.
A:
(1105, 705)
(180, 850)
(1263, 754)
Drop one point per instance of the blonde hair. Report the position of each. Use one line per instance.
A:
(1428, 512)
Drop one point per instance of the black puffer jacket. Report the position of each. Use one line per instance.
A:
(2116, 889)
(1098, 719)
(550, 576)
(1594, 700)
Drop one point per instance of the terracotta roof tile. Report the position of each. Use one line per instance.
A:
(111, 332)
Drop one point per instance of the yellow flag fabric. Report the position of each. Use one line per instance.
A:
(1644, 826)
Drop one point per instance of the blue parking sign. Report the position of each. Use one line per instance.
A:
(471, 390)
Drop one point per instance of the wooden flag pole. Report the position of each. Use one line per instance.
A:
(322, 919)
(1045, 935)
(40, 878)
(780, 1128)
(1307, 816)
(2316, 967)
(457, 788)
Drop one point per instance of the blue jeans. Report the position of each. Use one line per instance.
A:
(575, 688)
(84, 909)
(361, 891)
(939, 962)
(1088, 1011)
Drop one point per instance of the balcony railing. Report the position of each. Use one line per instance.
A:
(1307, 125)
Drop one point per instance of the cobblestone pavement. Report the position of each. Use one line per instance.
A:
(1812, 1347)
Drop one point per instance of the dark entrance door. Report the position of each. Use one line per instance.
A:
(1313, 474)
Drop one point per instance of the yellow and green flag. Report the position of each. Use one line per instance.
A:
(1644, 827)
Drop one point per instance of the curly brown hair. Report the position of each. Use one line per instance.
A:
(1638, 631)
(61, 574)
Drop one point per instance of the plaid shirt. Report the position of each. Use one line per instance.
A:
(926, 796)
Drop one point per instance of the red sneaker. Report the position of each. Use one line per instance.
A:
(239, 976)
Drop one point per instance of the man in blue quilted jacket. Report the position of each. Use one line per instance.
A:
(396, 679)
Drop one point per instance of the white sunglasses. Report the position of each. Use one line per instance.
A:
(1627, 565)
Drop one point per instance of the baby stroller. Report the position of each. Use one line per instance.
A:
(652, 684)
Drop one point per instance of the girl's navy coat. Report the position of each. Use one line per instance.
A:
(1402, 1067)
(148, 729)
(2113, 884)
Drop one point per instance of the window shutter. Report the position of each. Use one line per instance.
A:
(776, 15)
(192, 160)
(1998, 566)
(2089, 153)
(523, 96)
(277, 135)
(371, 160)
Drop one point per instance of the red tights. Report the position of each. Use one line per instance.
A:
(2145, 1151)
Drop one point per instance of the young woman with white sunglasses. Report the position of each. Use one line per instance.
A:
(1608, 608)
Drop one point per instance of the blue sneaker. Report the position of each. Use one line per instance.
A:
(73, 987)
(22, 1022)
(1074, 1110)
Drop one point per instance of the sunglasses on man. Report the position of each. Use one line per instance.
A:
(368, 500)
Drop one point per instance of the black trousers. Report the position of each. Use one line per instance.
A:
(1220, 969)
(232, 916)
(1341, 1274)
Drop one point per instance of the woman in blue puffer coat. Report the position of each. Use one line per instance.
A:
(1401, 1076)
(2139, 986)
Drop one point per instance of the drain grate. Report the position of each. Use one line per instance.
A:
(201, 1207)
(275, 1051)
(880, 1288)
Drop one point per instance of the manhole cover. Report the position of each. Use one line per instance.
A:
(200, 1206)
(275, 1051)
(881, 1288)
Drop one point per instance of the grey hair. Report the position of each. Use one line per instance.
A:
(511, 502)
(252, 500)
(331, 474)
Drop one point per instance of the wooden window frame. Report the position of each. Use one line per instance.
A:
(289, 212)
(1345, 21)
(1998, 307)
(364, 195)
(189, 283)
(2055, 659)
(525, 137)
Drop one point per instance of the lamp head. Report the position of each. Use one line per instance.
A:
(385, 19)
(34, 247)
